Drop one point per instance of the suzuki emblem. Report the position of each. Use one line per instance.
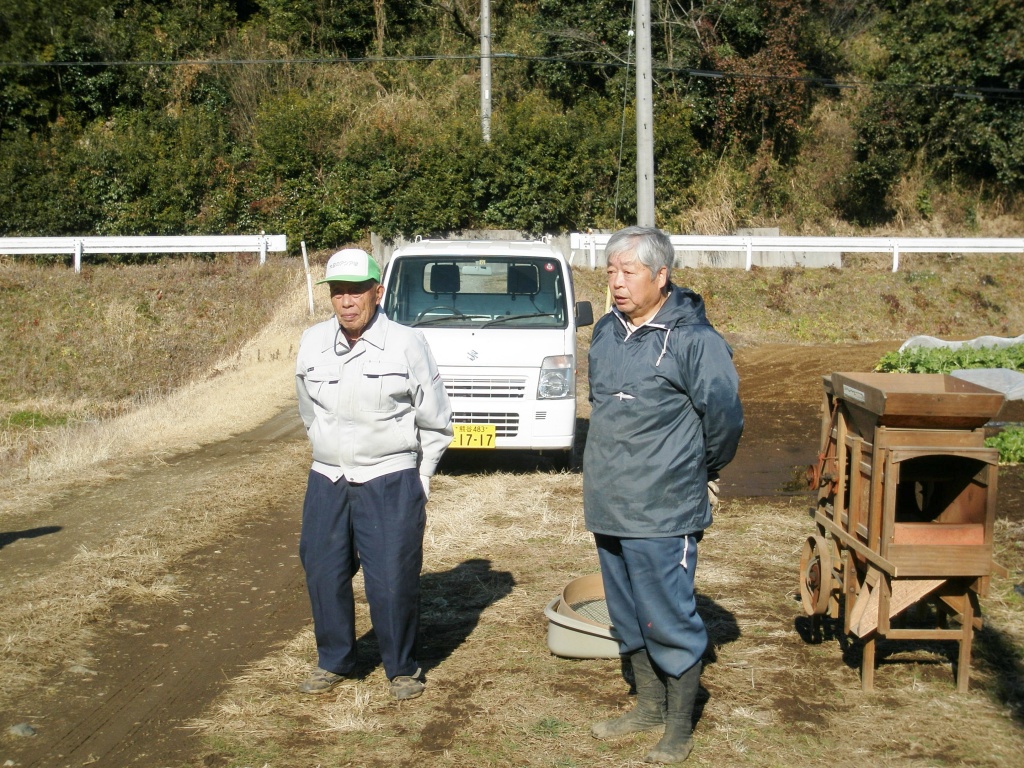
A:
(472, 354)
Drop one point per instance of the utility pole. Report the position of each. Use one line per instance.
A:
(485, 69)
(644, 117)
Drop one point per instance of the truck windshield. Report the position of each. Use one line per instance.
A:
(461, 291)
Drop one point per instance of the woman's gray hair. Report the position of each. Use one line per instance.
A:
(650, 245)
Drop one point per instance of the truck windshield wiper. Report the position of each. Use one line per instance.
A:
(506, 318)
(446, 319)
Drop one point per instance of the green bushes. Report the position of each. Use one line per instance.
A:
(945, 360)
(136, 174)
(947, 98)
(548, 170)
(1010, 443)
(295, 136)
(406, 166)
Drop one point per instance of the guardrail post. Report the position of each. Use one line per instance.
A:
(78, 255)
(309, 278)
(263, 248)
(750, 253)
(895, 255)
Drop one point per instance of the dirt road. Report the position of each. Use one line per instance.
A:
(151, 666)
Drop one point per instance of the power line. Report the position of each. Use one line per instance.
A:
(956, 90)
(235, 62)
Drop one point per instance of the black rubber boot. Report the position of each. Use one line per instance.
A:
(680, 695)
(649, 712)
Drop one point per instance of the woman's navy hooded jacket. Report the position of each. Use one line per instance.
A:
(665, 415)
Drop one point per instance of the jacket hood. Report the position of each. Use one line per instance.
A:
(681, 307)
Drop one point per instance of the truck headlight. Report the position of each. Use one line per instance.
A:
(557, 378)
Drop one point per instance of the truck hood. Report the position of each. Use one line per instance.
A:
(496, 347)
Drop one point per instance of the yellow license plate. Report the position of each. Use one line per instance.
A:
(473, 436)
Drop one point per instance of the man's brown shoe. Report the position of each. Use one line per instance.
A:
(408, 686)
(321, 681)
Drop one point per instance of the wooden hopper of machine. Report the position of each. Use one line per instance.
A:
(905, 509)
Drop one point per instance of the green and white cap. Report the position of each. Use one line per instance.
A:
(351, 265)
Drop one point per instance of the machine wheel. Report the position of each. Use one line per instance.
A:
(815, 575)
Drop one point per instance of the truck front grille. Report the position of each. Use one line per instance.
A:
(505, 424)
(504, 387)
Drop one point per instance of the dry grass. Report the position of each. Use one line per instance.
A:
(110, 334)
(950, 296)
(500, 698)
(117, 363)
(228, 384)
(714, 209)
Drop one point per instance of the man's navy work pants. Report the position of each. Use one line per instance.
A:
(649, 589)
(378, 524)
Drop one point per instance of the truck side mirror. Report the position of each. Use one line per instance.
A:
(584, 314)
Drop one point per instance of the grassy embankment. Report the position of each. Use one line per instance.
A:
(75, 348)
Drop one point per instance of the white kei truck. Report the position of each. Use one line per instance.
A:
(501, 318)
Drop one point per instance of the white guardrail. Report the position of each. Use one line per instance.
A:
(708, 250)
(79, 246)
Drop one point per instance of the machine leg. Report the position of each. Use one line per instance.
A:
(867, 665)
(963, 667)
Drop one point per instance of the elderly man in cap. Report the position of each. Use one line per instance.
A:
(379, 420)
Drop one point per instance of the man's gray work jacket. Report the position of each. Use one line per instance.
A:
(376, 408)
(665, 414)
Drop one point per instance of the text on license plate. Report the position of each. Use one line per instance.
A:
(473, 436)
